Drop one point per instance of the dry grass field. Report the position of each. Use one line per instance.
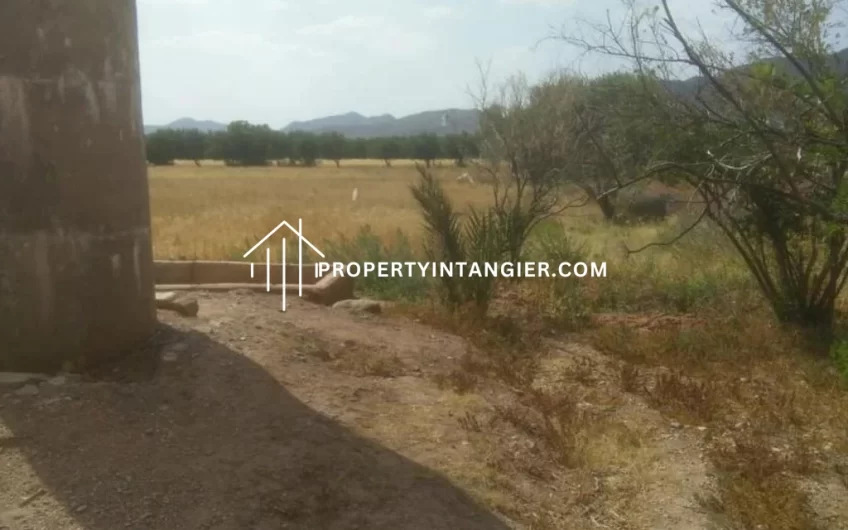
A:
(663, 396)
(217, 212)
(658, 397)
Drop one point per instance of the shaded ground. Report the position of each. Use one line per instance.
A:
(213, 440)
(249, 418)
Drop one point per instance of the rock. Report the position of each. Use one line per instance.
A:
(59, 380)
(361, 305)
(676, 425)
(27, 390)
(187, 306)
(178, 347)
(17, 379)
(169, 356)
(166, 296)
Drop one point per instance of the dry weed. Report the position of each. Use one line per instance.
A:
(756, 486)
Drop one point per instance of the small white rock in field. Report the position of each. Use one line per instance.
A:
(355, 194)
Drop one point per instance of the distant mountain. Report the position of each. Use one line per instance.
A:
(331, 123)
(446, 121)
(690, 87)
(188, 123)
(355, 125)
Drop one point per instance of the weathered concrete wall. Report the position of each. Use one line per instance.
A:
(231, 275)
(211, 272)
(76, 275)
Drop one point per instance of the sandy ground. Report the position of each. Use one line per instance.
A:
(249, 418)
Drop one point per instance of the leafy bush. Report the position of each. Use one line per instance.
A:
(367, 246)
(551, 243)
(839, 354)
(562, 302)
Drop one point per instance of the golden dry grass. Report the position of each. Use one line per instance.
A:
(217, 212)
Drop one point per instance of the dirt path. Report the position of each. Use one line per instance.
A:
(249, 418)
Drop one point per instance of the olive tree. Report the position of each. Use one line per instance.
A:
(762, 140)
(525, 145)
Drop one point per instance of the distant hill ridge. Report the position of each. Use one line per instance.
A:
(445, 121)
(188, 123)
(355, 125)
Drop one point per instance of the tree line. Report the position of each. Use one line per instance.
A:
(760, 148)
(248, 144)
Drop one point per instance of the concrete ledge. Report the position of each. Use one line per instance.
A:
(232, 275)
(187, 272)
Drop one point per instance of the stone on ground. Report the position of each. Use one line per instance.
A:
(360, 306)
(187, 306)
(27, 390)
(17, 379)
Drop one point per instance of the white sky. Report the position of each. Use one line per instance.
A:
(275, 61)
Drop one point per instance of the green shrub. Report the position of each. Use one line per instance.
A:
(481, 239)
(366, 246)
(839, 354)
(551, 243)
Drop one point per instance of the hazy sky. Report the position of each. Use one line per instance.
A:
(275, 61)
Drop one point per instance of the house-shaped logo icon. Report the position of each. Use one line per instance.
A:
(300, 241)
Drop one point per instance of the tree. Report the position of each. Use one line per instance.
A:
(161, 147)
(356, 148)
(765, 146)
(192, 145)
(305, 148)
(388, 149)
(459, 147)
(332, 147)
(216, 145)
(426, 147)
(614, 138)
(279, 147)
(524, 151)
(247, 144)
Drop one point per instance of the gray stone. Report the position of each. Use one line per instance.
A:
(186, 306)
(59, 380)
(166, 296)
(16, 379)
(169, 356)
(362, 305)
(27, 390)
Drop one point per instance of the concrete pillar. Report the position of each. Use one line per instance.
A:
(76, 269)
